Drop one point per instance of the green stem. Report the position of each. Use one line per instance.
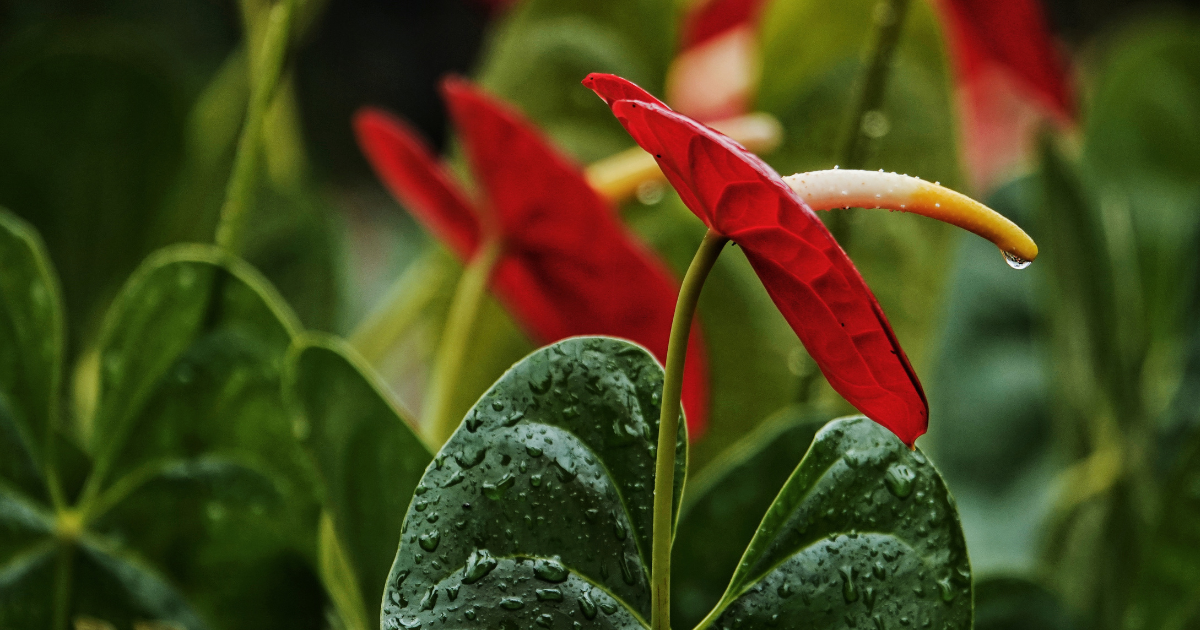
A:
(412, 292)
(62, 585)
(438, 421)
(868, 101)
(668, 429)
(264, 75)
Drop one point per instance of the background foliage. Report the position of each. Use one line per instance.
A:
(1065, 399)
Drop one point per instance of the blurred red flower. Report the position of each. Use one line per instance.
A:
(567, 265)
(805, 271)
(1011, 77)
(716, 71)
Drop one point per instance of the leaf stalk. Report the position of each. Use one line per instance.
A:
(668, 428)
(437, 419)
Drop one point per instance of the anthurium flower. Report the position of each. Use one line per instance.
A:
(1011, 77)
(566, 265)
(808, 276)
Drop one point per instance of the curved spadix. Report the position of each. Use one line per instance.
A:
(847, 188)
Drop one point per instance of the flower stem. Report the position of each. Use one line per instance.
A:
(264, 75)
(872, 83)
(668, 428)
(438, 421)
(62, 585)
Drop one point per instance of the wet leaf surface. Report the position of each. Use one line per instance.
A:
(543, 492)
(864, 533)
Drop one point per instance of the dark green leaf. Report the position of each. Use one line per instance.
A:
(864, 532)
(539, 505)
(368, 457)
(31, 347)
(724, 505)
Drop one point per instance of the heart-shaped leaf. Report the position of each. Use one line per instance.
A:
(724, 505)
(538, 508)
(863, 534)
(368, 459)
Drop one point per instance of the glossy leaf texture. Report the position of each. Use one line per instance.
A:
(809, 277)
(724, 505)
(368, 459)
(567, 266)
(538, 508)
(863, 534)
(187, 421)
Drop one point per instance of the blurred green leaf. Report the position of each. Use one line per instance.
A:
(724, 505)
(1010, 603)
(993, 433)
(368, 458)
(1142, 158)
(31, 332)
(189, 423)
(1168, 590)
(550, 476)
(541, 52)
(864, 532)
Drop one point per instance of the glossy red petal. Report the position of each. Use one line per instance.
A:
(714, 17)
(611, 87)
(414, 176)
(569, 266)
(1013, 34)
(809, 277)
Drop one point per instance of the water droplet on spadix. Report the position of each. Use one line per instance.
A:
(1015, 261)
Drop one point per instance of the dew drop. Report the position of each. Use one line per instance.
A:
(550, 571)
(430, 598)
(1015, 261)
(899, 479)
(549, 595)
(946, 589)
(587, 606)
(496, 490)
(479, 564)
(849, 590)
(512, 603)
(429, 541)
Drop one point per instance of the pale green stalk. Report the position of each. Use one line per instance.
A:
(668, 429)
(265, 69)
(438, 420)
